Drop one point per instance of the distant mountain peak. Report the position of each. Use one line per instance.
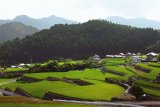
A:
(40, 23)
(21, 17)
(12, 30)
(140, 22)
(52, 16)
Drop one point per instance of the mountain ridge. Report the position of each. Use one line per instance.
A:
(135, 22)
(14, 30)
(79, 41)
(40, 23)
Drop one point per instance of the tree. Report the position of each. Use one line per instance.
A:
(158, 58)
(52, 65)
(136, 91)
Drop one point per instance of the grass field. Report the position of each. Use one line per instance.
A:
(147, 84)
(15, 69)
(140, 73)
(2, 80)
(153, 64)
(148, 87)
(154, 70)
(87, 73)
(116, 77)
(121, 69)
(94, 74)
(151, 91)
(98, 91)
(114, 61)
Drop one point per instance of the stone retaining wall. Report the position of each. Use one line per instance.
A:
(51, 96)
(142, 69)
(22, 92)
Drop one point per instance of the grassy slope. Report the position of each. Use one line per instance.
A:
(113, 61)
(148, 87)
(147, 84)
(155, 71)
(154, 64)
(2, 80)
(140, 73)
(87, 73)
(98, 91)
(151, 91)
(121, 69)
(15, 69)
(116, 77)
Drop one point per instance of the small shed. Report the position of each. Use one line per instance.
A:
(21, 65)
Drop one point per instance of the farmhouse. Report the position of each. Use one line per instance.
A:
(21, 65)
(128, 54)
(152, 57)
(118, 56)
(136, 59)
(110, 56)
(122, 54)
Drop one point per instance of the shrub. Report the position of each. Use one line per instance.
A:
(136, 91)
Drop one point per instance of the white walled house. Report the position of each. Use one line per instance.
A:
(110, 56)
(152, 56)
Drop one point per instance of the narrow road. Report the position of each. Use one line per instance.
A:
(116, 104)
(100, 103)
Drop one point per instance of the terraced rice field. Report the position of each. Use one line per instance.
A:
(15, 69)
(114, 61)
(121, 69)
(100, 90)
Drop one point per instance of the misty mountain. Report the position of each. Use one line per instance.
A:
(137, 22)
(14, 30)
(42, 23)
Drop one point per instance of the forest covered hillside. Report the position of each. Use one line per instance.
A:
(14, 30)
(79, 41)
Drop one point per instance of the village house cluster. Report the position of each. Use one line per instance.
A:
(21, 65)
(136, 57)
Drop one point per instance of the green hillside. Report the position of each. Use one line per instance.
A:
(14, 30)
(79, 41)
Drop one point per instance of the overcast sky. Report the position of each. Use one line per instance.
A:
(80, 10)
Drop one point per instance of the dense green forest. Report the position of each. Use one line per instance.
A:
(79, 41)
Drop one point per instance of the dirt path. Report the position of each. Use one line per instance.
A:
(100, 103)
